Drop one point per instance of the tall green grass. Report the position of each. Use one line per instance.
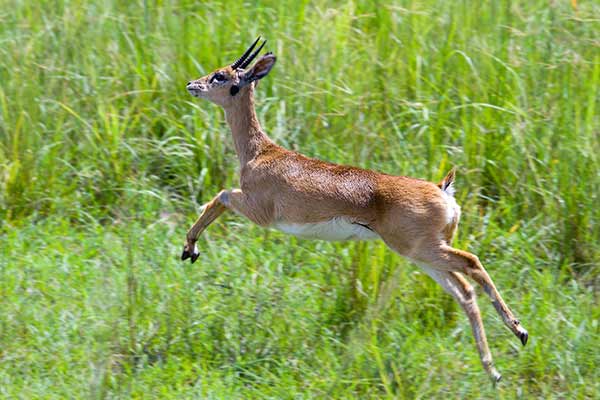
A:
(104, 159)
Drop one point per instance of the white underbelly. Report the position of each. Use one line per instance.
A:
(338, 228)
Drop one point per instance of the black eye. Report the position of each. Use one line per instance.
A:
(219, 77)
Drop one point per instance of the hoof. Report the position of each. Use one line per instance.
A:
(193, 255)
(524, 336)
(496, 377)
(185, 255)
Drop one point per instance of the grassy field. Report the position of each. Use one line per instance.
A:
(105, 159)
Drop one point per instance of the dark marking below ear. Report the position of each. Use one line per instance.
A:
(234, 90)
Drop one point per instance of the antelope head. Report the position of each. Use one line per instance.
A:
(224, 86)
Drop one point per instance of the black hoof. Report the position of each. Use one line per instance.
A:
(195, 257)
(524, 336)
(185, 255)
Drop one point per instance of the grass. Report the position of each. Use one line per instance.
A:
(105, 159)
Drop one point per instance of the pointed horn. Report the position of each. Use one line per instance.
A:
(249, 59)
(240, 60)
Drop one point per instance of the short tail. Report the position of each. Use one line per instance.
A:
(447, 184)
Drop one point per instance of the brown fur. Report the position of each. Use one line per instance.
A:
(410, 215)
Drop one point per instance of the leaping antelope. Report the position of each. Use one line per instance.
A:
(310, 198)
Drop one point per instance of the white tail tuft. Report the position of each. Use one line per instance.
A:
(447, 184)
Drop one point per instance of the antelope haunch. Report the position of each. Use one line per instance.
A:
(310, 198)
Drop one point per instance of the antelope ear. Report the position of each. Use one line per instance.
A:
(260, 69)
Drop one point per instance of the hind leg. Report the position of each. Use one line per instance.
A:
(448, 258)
(462, 291)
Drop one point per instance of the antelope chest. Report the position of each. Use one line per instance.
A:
(335, 229)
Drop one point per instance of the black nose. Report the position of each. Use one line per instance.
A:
(189, 83)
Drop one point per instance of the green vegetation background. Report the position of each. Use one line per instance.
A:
(105, 159)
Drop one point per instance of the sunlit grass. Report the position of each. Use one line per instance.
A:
(104, 160)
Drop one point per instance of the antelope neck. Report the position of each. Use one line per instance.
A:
(247, 132)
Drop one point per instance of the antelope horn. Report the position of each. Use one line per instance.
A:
(240, 60)
(249, 59)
